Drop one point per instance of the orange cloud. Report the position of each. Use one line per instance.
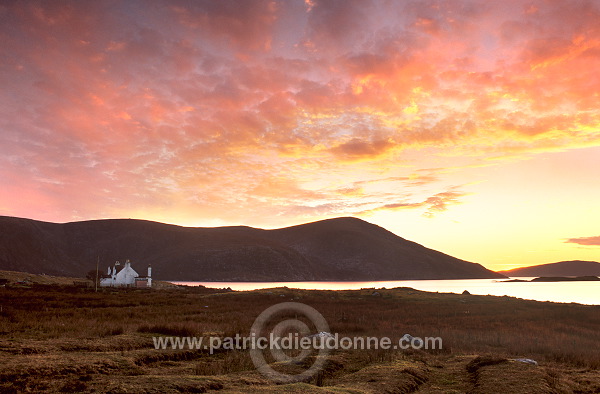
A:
(437, 203)
(358, 149)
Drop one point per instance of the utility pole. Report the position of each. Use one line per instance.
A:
(96, 278)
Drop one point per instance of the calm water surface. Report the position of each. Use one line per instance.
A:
(580, 292)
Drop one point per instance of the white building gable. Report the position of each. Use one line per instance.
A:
(125, 276)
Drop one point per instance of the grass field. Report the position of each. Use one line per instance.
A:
(60, 338)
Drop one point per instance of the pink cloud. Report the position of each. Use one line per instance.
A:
(109, 106)
(246, 25)
(586, 241)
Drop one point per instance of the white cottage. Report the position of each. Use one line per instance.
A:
(125, 276)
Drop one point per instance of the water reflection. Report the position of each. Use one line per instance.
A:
(580, 292)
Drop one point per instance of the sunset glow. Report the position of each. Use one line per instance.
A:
(471, 127)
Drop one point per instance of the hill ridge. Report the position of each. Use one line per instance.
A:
(337, 249)
(561, 268)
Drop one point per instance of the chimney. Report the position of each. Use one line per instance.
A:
(149, 271)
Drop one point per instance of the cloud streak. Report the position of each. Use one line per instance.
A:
(586, 241)
(432, 205)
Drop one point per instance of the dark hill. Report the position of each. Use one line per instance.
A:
(562, 268)
(335, 249)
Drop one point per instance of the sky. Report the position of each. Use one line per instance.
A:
(471, 127)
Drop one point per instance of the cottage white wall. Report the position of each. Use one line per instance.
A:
(126, 276)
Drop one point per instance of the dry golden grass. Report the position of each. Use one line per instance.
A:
(67, 339)
(14, 276)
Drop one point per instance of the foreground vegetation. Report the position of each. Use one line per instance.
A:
(66, 339)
